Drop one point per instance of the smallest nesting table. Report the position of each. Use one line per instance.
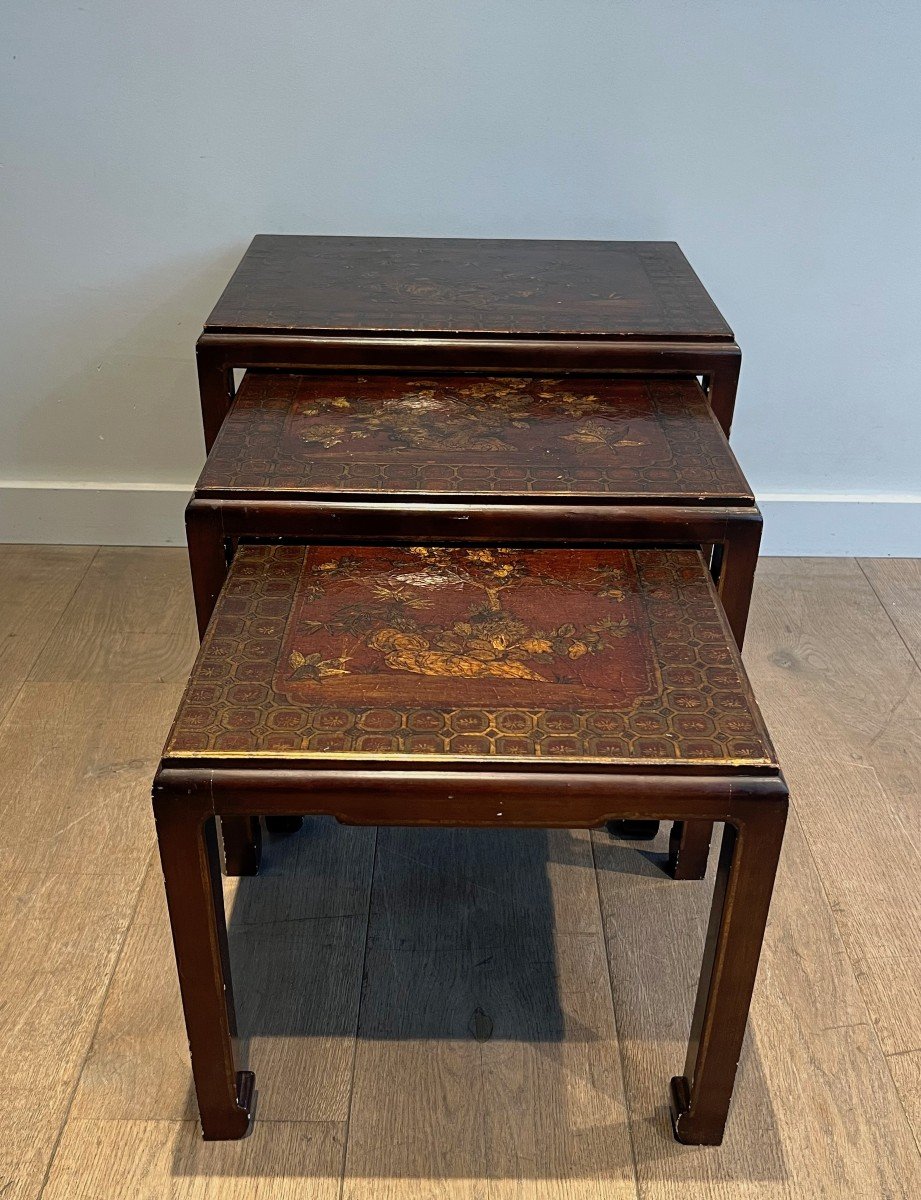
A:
(480, 686)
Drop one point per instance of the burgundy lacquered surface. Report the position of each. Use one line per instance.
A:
(458, 286)
(451, 437)
(612, 656)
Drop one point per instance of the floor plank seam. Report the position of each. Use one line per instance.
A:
(620, 1044)
(52, 629)
(870, 1024)
(361, 994)
(849, 954)
(91, 1041)
(833, 910)
(889, 616)
(915, 1133)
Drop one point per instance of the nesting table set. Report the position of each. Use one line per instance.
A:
(470, 548)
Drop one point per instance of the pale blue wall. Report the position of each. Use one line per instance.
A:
(145, 142)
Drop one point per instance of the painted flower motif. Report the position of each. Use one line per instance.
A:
(421, 401)
(536, 645)
(324, 435)
(431, 578)
(488, 642)
(314, 666)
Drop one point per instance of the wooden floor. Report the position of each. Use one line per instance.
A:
(452, 1013)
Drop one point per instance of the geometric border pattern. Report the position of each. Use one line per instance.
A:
(555, 436)
(292, 283)
(703, 710)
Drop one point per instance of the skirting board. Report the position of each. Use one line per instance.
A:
(150, 514)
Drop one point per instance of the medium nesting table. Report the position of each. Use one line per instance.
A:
(464, 304)
(470, 686)
(531, 460)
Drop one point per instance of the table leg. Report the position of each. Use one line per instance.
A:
(207, 558)
(191, 871)
(689, 844)
(242, 845)
(689, 849)
(736, 579)
(722, 385)
(741, 899)
(216, 391)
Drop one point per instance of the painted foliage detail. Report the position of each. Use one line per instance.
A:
(394, 619)
(602, 654)
(456, 419)
(466, 434)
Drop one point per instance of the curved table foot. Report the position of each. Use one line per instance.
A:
(226, 1125)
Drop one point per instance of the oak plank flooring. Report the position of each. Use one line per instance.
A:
(297, 939)
(498, 940)
(906, 1071)
(150, 1160)
(487, 1056)
(75, 835)
(897, 583)
(26, 1148)
(76, 799)
(842, 696)
(131, 620)
(54, 969)
(814, 1107)
(36, 585)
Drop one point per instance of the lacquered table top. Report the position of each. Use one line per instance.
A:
(457, 286)
(503, 656)
(453, 437)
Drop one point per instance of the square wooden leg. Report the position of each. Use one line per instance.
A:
(735, 580)
(689, 849)
(207, 558)
(191, 872)
(737, 558)
(742, 895)
(242, 838)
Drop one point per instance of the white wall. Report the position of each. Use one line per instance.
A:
(145, 143)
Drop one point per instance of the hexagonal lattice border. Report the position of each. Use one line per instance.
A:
(703, 711)
(257, 452)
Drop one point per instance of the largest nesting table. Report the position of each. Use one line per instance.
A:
(300, 303)
(470, 686)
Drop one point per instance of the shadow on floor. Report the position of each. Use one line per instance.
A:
(447, 993)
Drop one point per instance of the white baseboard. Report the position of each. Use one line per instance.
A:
(150, 514)
(837, 524)
(93, 514)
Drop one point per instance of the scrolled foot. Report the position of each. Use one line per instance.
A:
(230, 1124)
(688, 1129)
